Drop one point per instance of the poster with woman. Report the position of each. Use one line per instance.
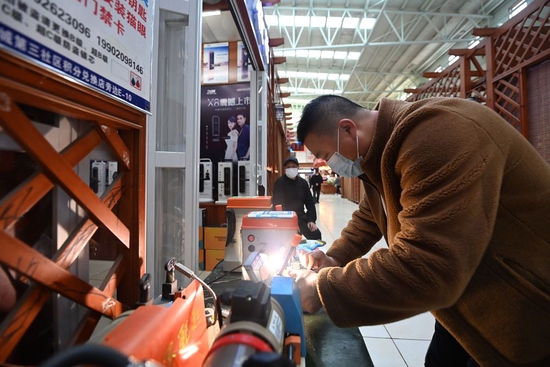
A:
(231, 140)
(225, 124)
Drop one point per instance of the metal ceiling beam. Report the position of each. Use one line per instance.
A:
(396, 19)
(370, 12)
(433, 33)
(390, 43)
(287, 69)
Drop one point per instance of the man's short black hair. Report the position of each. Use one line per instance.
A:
(322, 113)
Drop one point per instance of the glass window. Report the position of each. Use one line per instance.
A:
(169, 215)
(171, 83)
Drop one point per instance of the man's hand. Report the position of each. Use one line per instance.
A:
(307, 282)
(312, 226)
(317, 260)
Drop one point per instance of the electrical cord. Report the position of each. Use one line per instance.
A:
(191, 274)
(224, 274)
(231, 224)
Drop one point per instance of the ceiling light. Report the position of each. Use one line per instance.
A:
(286, 20)
(289, 53)
(271, 20)
(303, 74)
(316, 21)
(314, 91)
(340, 55)
(313, 54)
(327, 54)
(211, 13)
(367, 23)
(319, 21)
(301, 20)
(334, 22)
(297, 101)
(350, 23)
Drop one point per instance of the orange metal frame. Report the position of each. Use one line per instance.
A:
(121, 128)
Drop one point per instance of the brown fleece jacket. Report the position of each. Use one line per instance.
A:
(463, 201)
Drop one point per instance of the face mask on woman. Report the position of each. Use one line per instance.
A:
(291, 172)
(343, 166)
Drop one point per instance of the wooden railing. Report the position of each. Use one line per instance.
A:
(119, 211)
(520, 43)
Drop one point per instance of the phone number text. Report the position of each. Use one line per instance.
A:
(118, 54)
(64, 16)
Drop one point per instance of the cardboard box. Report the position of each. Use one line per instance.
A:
(201, 238)
(214, 238)
(201, 259)
(212, 258)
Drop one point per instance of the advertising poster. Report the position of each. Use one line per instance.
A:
(225, 124)
(215, 63)
(104, 44)
(243, 67)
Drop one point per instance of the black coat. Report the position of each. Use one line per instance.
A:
(294, 195)
(315, 182)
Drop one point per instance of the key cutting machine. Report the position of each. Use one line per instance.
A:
(264, 325)
(236, 209)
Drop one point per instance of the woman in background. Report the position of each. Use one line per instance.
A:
(231, 140)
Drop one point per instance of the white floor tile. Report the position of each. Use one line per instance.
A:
(384, 353)
(413, 351)
(418, 327)
(377, 331)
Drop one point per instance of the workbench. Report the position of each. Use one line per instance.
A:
(326, 344)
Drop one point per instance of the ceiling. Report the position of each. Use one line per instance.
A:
(409, 37)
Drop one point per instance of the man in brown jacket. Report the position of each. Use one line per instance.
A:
(463, 202)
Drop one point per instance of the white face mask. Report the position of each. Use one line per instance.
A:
(291, 172)
(343, 166)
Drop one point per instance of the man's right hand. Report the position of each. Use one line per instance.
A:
(316, 260)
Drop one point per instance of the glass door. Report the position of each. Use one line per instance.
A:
(173, 135)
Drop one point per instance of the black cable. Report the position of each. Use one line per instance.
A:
(224, 274)
(97, 354)
(231, 224)
(220, 315)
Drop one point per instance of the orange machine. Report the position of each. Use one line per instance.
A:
(263, 327)
(174, 334)
(237, 208)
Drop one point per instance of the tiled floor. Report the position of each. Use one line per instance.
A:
(400, 344)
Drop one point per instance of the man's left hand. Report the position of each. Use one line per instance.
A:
(307, 282)
(312, 226)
